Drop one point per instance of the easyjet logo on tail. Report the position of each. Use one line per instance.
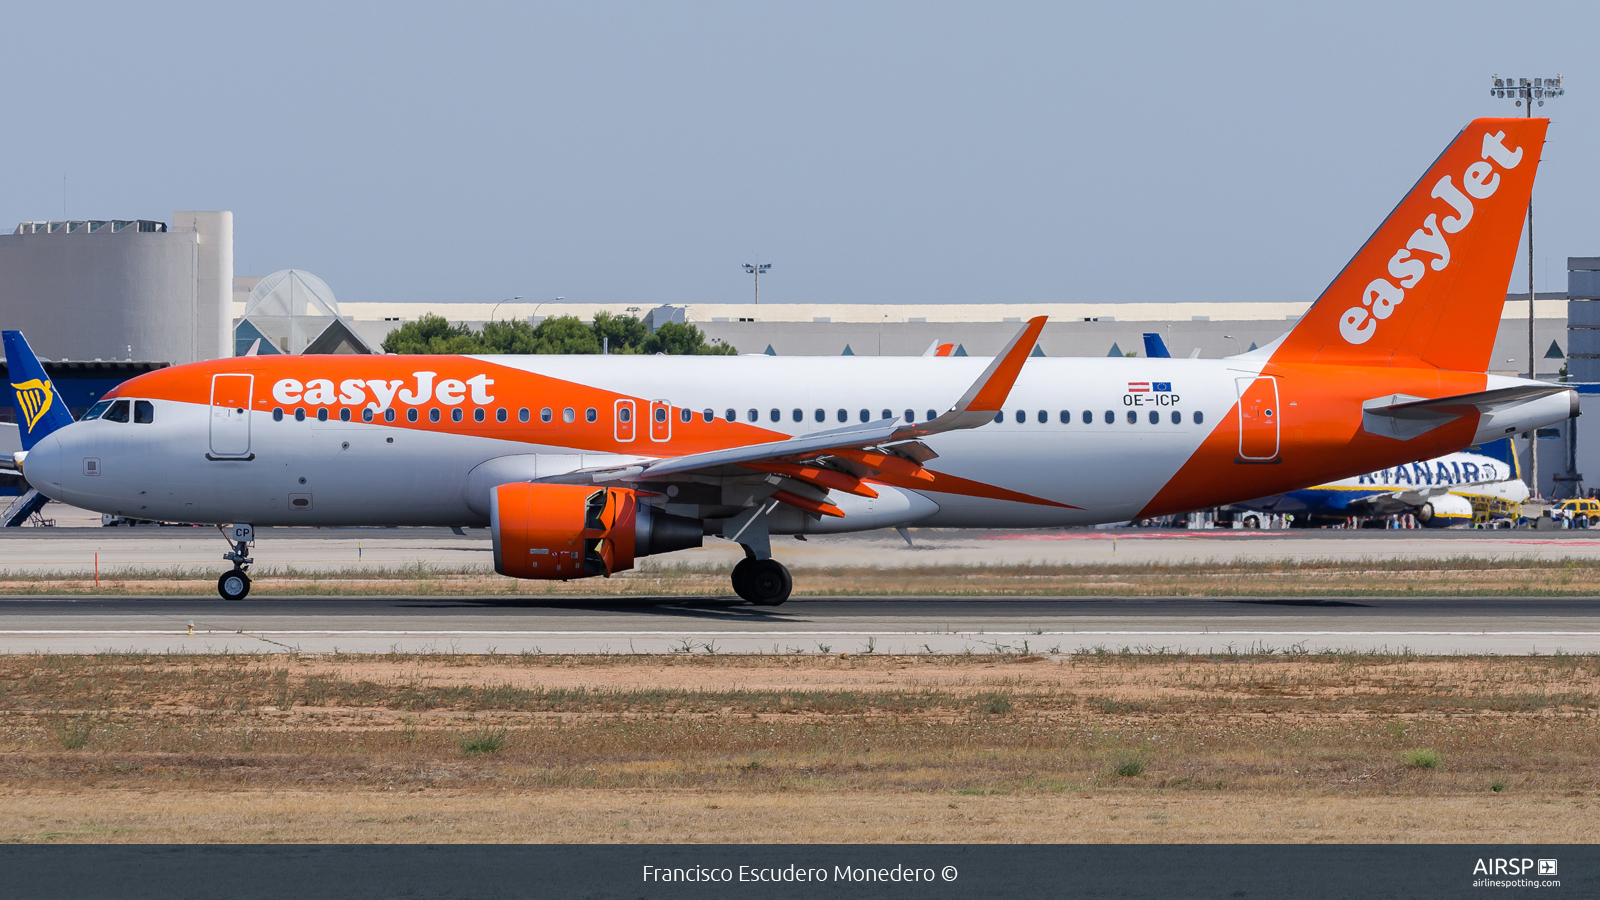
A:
(353, 391)
(1479, 182)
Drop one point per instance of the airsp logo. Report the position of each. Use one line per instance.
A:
(1500, 866)
(34, 398)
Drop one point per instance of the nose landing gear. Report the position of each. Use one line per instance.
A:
(234, 583)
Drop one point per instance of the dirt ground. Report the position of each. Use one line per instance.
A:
(1088, 747)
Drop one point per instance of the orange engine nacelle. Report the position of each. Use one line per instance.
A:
(561, 531)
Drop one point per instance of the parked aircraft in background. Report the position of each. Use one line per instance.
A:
(1439, 492)
(578, 465)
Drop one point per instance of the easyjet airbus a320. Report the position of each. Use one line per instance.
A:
(579, 465)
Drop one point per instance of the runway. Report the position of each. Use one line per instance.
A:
(811, 626)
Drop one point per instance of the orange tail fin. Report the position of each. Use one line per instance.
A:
(1428, 287)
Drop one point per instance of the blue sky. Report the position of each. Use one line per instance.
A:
(872, 152)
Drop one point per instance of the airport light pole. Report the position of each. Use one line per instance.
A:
(1526, 92)
(757, 270)
(539, 304)
(497, 305)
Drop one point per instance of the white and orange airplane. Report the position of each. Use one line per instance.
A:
(579, 465)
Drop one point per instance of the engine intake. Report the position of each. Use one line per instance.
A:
(562, 531)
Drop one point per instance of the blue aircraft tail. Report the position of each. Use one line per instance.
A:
(1504, 451)
(40, 410)
(1155, 347)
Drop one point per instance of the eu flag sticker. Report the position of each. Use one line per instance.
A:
(1161, 386)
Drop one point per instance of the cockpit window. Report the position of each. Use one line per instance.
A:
(144, 412)
(118, 412)
(95, 410)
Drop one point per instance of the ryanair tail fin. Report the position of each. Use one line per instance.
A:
(39, 409)
(1427, 289)
(1505, 451)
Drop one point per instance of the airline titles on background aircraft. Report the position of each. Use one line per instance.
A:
(1436, 472)
(1378, 300)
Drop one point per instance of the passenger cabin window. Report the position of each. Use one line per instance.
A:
(118, 412)
(95, 411)
(144, 412)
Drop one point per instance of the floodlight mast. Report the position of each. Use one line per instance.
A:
(757, 269)
(1526, 92)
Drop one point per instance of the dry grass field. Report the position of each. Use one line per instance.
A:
(1089, 747)
(1440, 577)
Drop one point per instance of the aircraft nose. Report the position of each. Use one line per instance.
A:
(42, 466)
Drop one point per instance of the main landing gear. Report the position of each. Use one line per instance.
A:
(764, 582)
(234, 583)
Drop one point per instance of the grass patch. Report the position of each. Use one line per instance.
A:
(483, 740)
(1130, 767)
(75, 732)
(1423, 758)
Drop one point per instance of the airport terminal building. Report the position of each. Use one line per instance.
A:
(104, 300)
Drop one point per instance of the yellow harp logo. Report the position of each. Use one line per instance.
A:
(34, 398)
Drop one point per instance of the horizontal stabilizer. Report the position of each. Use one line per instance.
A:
(1404, 417)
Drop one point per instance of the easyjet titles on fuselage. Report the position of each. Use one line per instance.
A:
(353, 391)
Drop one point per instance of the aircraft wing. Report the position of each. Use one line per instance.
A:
(887, 445)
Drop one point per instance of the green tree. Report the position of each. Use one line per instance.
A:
(565, 334)
(676, 339)
(627, 333)
(432, 334)
(512, 336)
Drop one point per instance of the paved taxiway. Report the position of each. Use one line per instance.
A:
(153, 548)
(268, 625)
